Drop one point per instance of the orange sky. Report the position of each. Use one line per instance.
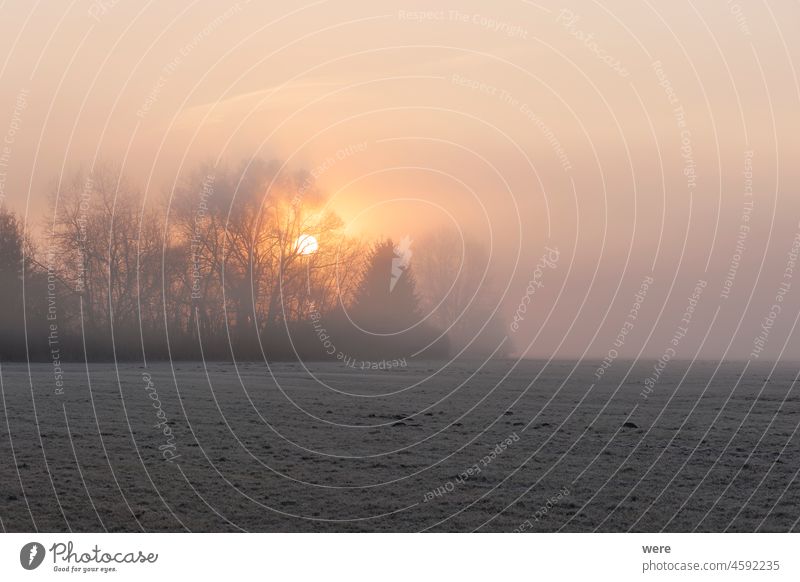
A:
(617, 132)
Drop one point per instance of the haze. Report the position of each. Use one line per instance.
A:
(654, 141)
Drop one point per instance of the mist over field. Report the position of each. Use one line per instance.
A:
(399, 267)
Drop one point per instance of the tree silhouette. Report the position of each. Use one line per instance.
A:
(214, 271)
(456, 287)
(386, 299)
(11, 253)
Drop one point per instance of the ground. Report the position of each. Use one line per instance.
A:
(323, 447)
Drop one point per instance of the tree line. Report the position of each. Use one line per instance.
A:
(221, 269)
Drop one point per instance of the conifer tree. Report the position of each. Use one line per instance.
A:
(386, 299)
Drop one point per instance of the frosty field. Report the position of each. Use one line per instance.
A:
(498, 446)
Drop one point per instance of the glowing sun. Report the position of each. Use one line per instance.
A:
(306, 244)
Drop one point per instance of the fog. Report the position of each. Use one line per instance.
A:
(568, 154)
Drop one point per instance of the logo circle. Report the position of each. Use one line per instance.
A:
(31, 555)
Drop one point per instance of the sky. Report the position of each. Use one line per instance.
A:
(646, 145)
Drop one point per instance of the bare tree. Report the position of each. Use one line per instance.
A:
(455, 284)
(107, 246)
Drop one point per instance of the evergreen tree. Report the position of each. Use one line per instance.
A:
(386, 299)
(11, 253)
